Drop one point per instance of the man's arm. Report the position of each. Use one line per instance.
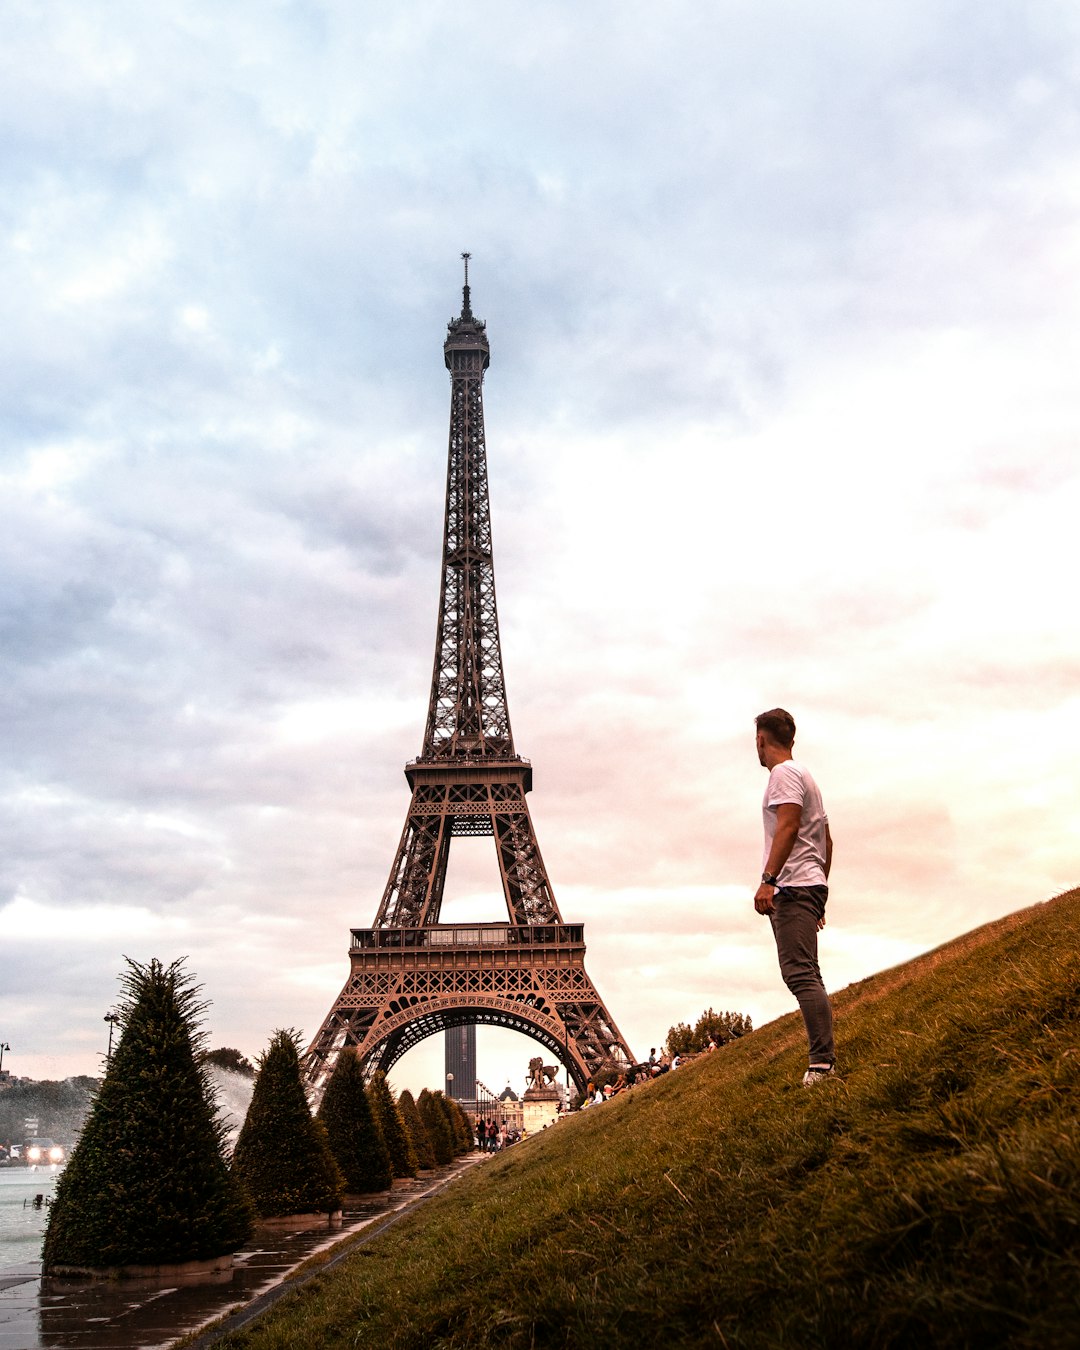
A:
(828, 867)
(788, 819)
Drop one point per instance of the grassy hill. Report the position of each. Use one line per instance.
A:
(930, 1197)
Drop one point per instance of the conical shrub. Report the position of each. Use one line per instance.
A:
(415, 1128)
(147, 1183)
(355, 1138)
(448, 1107)
(282, 1154)
(398, 1143)
(460, 1129)
(438, 1130)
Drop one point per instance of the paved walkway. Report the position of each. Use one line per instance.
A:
(38, 1314)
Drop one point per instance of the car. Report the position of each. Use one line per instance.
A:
(40, 1152)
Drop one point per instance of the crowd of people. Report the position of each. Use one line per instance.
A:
(637, 1074)
(491, 1137)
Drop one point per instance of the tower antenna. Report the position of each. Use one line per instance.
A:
(466, 308)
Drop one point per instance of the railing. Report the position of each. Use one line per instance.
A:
(490, 757)
(472, 935)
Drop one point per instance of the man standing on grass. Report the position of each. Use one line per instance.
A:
(794, 883)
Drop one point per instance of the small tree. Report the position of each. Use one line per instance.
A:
(414, 1126)
(438, 1130)
(231, 1060)
(147, 1183)
(468, 1134)
(398, 1143)
(680, 1040)
(722, 1027)
(282, 1153)
(355, 1138)
(59, 1108)
(460, 1134)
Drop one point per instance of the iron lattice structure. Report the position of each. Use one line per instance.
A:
(411, 976)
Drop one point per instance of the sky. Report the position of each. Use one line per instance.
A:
(783, 303)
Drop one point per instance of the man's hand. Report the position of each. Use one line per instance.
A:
(763, 899)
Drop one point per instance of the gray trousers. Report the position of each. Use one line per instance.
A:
(794, 924)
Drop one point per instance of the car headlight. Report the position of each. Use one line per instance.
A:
(34, 1154)
(56, 1154)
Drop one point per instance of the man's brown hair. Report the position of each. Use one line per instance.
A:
(778, 725)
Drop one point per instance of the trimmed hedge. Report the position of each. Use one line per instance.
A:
(437, 1126)
(460, 1134)
(148, 1183)
(398, 1142)
(282, 1153)
(356, 1140)
(425, 1156)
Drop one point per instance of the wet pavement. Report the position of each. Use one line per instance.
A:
(77, 1314)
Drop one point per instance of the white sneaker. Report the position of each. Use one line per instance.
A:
(817, 1073)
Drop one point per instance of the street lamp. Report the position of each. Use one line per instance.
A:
(449, 1084)
(112, 1019)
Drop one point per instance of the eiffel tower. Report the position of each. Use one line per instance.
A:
(411, 976)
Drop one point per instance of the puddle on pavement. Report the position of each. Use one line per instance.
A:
(74, 1314)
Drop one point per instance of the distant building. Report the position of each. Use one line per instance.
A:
(460, 1058)
(509, 1110)
(505, 1108)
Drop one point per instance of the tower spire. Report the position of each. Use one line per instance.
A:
(466, 308)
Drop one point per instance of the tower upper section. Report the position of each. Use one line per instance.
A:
(467, 713)
(466, 349)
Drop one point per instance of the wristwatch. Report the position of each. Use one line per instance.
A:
(769, 880)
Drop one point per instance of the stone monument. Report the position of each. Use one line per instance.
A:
(541, 1100)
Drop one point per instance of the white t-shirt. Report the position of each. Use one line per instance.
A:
(790, 782)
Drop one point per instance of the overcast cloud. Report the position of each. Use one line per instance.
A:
(783, 303)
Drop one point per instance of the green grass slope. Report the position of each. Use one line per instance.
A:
(930, 1197)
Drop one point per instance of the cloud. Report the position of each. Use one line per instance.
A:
(781, 408)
